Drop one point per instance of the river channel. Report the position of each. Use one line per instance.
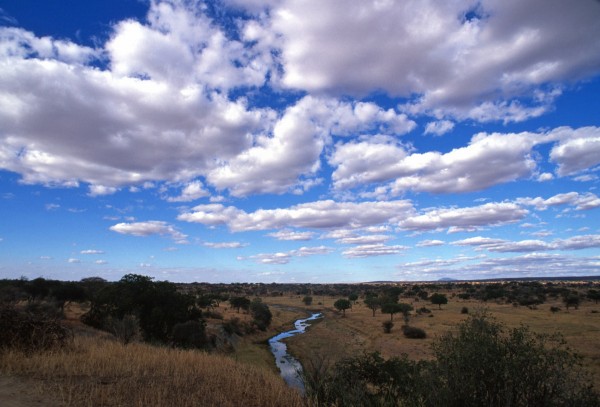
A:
(289, 366)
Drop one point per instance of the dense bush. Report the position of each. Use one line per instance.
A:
(464, 310)
(261, 314)
(387, 326)
(479, 364)
(413, 332)
(30, 331)
(189, 334)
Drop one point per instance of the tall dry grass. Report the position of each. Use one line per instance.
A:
(101, 372)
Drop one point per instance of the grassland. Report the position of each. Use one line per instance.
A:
(336, 336)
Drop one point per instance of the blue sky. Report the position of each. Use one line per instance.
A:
(299, 141)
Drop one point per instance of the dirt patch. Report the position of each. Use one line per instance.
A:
(19, 392)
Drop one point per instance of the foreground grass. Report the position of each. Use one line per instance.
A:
(96, 371)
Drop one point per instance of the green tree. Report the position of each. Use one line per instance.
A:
(353, 297)
(240, 303)
(373, 303)
(438, 299)
(572, 300)
(342, 305)
(405, 309)
(392, 308)
(261, 314)
(594, 295)
(307, 300)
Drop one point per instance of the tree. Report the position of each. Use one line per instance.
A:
(594, 295)
(353, 297)
(387, 326)
(405, 309)
(342, 305)
(373, 303)
(392, 308)
(307, 300)
(438, 299)
(261, 314)
(572, 300)
(240, 302)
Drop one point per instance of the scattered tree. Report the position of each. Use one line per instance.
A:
(240, 303)
(438, 299)
(342, 305)
(307, 300)
(373, 303)
(261, 314)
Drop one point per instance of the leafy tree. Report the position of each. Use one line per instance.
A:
(353, 297)
(261, 314)
(405, 309)
(342, 305)
(392, 308)
(572, 300)
(240, 303)
(594, 295)
(307, 300)
(438, 299)
(373, 303)
(69, 292)
(190, 334)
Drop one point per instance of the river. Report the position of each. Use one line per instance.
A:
(289, 366)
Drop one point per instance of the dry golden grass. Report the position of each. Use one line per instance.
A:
(101, 372)
(336, 336)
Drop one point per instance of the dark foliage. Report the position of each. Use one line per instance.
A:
(413, 332)
(387, 326)
(190, 335)
(261, 314)
(30, 331)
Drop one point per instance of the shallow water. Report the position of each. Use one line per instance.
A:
(290, 367)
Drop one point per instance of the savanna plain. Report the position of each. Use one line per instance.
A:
(224, 360)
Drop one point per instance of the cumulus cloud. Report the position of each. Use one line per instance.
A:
(583, 201)
(224, 245)
(148, 228)
(192, 191)
(506, 246)
(287, 234)
(370, 250)
(73, 260)
(319, 215)
(465, 219)
(577, 150)
(430, 243)
(489, 159)
(286, 257)
(439, 128)
(452, 54)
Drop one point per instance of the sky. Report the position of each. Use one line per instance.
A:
(311, 141)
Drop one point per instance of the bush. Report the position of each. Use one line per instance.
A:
(413, 332)
(387, 326)
(189, 334)
(554, 309)
(126, 329)
(30, 332)
(235, 326)
(423, 310)
(464, 310)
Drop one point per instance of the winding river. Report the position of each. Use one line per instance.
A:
(287, 364)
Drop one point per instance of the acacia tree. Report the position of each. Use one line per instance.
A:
(307, 300)
(373, 303)
(342, 305)
(240, 302)
(438, 299)
(391, 308)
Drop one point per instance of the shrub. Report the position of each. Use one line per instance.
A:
(554, 309)
(413, 332)
(387, 326)
(423, 310)
(234, 326)
(30, 332)
(126, 329)
(189, 334)
(464, 310)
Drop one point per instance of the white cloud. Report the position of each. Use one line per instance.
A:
(439, 128)
(371, 250)
(319, 215)
(546, 176)
(364, 239)
(580, 201)
(489, 159)
(52, 207)
(73, 260)
(465, 219)
(100, 262)
(153, 227)
(287, 234)
(430, 243)
(577, 150)
(99, 190)
(504, 50)
(192, 191)
(92, 251)
(506, 246)
(224, 245)
(286, 257)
